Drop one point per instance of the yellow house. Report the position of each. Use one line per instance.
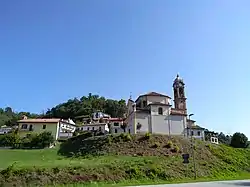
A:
(56, 126)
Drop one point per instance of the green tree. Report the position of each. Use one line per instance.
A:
(239, 140)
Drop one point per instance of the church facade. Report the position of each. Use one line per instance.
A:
(154, 113)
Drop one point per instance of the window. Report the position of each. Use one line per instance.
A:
(160, 112)
(88, 128)
(31, 128)
(192, 133)
(44, 126)
(93, 128)
(198, 133)
(115, 130)
(144, 103)
(24, 126)
(129, 131)
(100, 128)
(116, 124)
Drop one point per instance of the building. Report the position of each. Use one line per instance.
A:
(94, 127)
(5, 129)
(59, 128)
(100, 122)
(194, 130)
(117, 125)
(153, 112)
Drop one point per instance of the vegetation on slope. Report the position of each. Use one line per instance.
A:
(122, 158)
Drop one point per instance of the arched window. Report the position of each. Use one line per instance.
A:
(160, 112)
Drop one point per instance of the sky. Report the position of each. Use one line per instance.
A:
(55, 50)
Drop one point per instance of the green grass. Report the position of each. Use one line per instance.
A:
(46, 167)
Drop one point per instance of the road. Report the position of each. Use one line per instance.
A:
(242, 183)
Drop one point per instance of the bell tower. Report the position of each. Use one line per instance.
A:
(179, 94)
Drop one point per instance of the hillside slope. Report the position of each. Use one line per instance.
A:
(133, 159)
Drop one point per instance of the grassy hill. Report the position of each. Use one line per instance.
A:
(122, 159)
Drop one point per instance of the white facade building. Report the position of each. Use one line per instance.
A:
(66, 128)
(100, 127)
(153, 112)
(5, 129)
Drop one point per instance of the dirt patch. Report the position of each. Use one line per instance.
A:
(125, 144)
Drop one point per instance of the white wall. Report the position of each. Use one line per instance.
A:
(196, 134)
(160, 124)
(177, 125)
(5, 130)
(143, 119)
(152, 99)
(154, 109)
(66, 127)
(92, 127)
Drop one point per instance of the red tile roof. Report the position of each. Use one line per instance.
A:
(116, 119)
(158, 103)
(51, 120)
(156, 94)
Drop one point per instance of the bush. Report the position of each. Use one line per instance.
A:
(156, 145)
(175, 149)
(45, 139)
(169, 144)
(122, 138)
(147, 136)
(9, 140)
(239, 140)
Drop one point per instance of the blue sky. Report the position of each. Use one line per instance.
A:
(54, 50)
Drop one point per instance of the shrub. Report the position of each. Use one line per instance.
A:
(147, 136)
(169, 144)
(11, 140)
(45, 139)
(175, 149)
(127, 138)
(156, 145)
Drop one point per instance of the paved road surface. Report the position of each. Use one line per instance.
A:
(243, 183)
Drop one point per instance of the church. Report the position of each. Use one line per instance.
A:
(153, 113)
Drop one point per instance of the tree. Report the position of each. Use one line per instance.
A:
(86, 106)
(225, 139)
(239, 140)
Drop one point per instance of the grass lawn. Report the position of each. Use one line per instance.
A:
(48, 158)
(46, 167)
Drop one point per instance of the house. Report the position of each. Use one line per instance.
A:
(153, 112)
(101, 122)
(117, 125)
(95, 127)
(194, 130)
(96, 122)
(59, 128)
(5, 129)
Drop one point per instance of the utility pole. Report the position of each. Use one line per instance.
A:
(192, 144)
(192, 147)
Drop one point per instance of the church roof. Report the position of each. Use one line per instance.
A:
(156, 94)
(159, 103)
(153, 94)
